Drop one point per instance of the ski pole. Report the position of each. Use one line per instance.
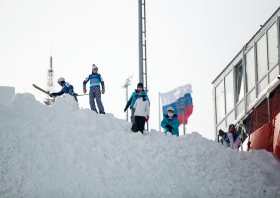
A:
(82, 95)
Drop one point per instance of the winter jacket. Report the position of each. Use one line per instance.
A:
(142, 108)
(66, 88)
(175, 124)
(94, 80)
(231, 138)
(134, 96)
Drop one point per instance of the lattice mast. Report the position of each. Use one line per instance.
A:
(142, 45)
(50, 84)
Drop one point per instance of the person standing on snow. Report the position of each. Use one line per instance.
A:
(170, 122)
(67, 88)
(142, 111)
(135, 95)
(94, 92)
(230, 139)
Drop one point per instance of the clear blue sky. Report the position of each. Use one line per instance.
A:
(188, 42)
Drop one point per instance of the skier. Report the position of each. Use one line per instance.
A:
(137, 94)
(67, 88)
(170, 122)
(230, 139)
(142, 111)
(94, 93)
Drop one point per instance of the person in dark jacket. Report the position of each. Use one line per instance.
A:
(135, 95)
(231, 128)
(171, 122)
(67, 88)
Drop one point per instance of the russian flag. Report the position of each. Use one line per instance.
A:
(180, 99)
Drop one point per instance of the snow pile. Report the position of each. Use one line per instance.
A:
(64, 151)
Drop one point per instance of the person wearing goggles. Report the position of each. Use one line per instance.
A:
(170, 122)
(67, 88)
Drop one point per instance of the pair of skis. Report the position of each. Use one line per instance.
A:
(48, 93)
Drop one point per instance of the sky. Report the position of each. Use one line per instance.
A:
(188, 42)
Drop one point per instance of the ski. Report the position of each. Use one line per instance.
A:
(46, 92)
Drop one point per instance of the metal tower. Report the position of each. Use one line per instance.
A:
(127, 83)
(50, 84)
(142, 44)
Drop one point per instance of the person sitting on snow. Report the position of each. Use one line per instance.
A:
(230, 139)
(170, 122)
(142, 111)
(135, 95)
(67, 88)
(231, 128)
(94, 92)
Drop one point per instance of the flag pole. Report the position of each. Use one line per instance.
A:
(184, 121)
(159, 111)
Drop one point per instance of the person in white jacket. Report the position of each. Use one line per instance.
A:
(142, 111)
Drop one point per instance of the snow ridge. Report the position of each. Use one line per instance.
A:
(65, 151)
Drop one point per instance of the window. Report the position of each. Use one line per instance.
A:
(250, 69)
(229, 92)
(220, 101)
(239, 83)
(272, 46)
(262, 57)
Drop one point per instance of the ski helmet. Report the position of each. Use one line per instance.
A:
(94, 67)
(170, 109)
(60, 79)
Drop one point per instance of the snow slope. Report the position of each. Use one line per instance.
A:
(64, 151)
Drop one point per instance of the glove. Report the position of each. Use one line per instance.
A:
(169, 128)
(85, 90)
(103, 91)
(51, 95)
(75, 94)
(147, 119)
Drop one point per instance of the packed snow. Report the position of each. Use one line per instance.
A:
(65, 151)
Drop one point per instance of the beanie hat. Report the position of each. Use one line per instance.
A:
(94, 67)
(231, 126)
(221, 133)
(140, 85)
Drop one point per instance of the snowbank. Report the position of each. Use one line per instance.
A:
(64, 151)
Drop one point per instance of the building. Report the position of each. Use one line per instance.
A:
(250, 79)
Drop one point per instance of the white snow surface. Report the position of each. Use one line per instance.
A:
(65, 151)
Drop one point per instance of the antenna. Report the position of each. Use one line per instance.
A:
(50, 82)
(127, 83)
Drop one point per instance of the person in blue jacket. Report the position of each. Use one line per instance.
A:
(94, 92)
(171, 122)
(230, 139)
(135, 95)
(67, 88)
